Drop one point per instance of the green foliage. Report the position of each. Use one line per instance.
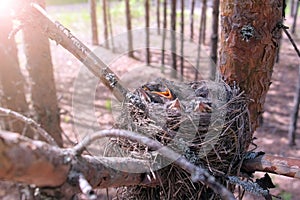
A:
(286, 195)
(108, 105)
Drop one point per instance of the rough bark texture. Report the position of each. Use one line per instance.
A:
(12, 80)
(43, 90)
(214, 39)
(128, 24)
(248, 50)
(93, 14)
(273, 164)
(36, 162)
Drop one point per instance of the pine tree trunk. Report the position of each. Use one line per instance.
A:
(192, 19)
(164, 36)
(295, 17)
(203, 21)
(214, 39)
(129, 33)
(173, 38)
(43, 90)
(182, 41)
(104, 8)
(93, 14)
(147, 25)
(110, 27)
(292, 7)
(11, 78)
(158, 16)
(248, 48)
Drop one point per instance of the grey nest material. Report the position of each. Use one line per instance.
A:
(205, 121)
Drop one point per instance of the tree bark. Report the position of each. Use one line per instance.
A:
(214, 39)
(182, 41)
(294, 115)
(36, 162)
(104, 8)
(147, 25)
(192, 20)
(203, 22)
(12, 80)
(292, 7)
(173, 38)
(39, 65)
(129, 33)
(248, 48)
(93, 14)
(164, 37)
(110, 27)
(295, 17)
(158, 16)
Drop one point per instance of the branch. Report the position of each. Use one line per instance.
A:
(31, 122)
(36, 15)
(273, 164)
(197, 173)
(36, 162)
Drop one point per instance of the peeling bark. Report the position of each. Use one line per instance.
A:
(274, 164)
(250, 37)
(36, 162)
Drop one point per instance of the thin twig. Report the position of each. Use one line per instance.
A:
(31, 122)
(197, 173)
(290, 38)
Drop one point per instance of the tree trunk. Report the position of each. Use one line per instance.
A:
(295, 18)
(173, 38)
(182, 41)
(43, 90)
(294, 115)
(164, 37)
(12, 80)
(248, 48)
(214, 39)
(93, 14)
(203, 22)
(104, 5)
(110, 27)
(292, 7)
(158, 16)
(129, 33)
(147, 25)
(192, 19)
(198, 53)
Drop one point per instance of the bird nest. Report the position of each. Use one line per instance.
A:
(206, 122)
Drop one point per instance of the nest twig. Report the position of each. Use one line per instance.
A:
(206, 122)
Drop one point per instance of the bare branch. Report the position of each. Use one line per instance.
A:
(197, 173)
(36, 162)
(30, 122)
(274, 164)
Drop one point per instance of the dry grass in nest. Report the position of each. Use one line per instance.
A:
(207, 122)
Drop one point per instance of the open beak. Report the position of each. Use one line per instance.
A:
(166, 94)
